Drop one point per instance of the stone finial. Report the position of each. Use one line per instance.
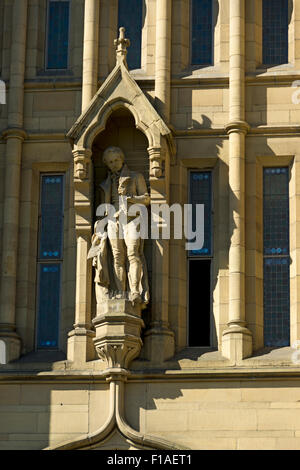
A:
(121, 46)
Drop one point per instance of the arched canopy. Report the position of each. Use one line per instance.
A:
(119, 90)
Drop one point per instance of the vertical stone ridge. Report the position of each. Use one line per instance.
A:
(14, 139)
(237, 339)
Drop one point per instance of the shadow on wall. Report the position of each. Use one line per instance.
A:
(224, 230)
(267, 104)
(36, 415)
(163, 407)
(215, 16)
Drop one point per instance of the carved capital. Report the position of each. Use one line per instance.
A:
(82, 160)
(156, 158)
(118, 354)
(14, 133)
(118, 330)
(237, 126)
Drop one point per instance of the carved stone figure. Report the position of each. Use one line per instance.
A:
(123, 253)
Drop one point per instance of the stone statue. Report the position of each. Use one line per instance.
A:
(119, 260)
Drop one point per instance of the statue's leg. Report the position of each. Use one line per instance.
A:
(118, 249)
(135, 264)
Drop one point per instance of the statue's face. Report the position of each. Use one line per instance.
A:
(114, 161)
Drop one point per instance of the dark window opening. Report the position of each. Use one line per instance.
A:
(276, 257)
(49, 261)
(58, 35)
(201, 193)
(199, 262)
(202, 32)
(275, 32)
(130, 15)
(199, 302)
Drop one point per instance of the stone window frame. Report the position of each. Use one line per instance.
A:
(182, 38)
(148, 49)
(209, 163)
(40, 261)
(270, 257)
(41, 42)
(256, 324)
(29, 336)
(108, 32)
(262, 68)
(47, 37)
(197, 66)
(203, 257)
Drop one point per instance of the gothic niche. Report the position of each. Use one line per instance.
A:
(120, 304)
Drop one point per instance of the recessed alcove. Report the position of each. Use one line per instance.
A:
(121, 131)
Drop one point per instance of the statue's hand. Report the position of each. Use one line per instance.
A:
(122, 191)
(142, 199)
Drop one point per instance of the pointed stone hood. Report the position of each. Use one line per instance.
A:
(119, 90)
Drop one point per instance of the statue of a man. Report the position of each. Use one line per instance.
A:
(122, 189)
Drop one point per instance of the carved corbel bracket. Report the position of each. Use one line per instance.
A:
(158, 174)
(83, 190)
(118, 333)
(82, 163)
(156, 157)
(118, 354)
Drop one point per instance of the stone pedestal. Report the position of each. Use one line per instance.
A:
(237, 343)
(80, 345)
(159, 343)
(118, 329)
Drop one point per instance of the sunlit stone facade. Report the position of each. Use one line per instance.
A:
(216, 364)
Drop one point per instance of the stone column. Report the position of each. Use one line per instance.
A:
(14, 139)
(90, 51)
(80, 341)
(159, 340)
(237, 339)
(163, 58)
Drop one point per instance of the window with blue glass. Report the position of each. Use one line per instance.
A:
(275, 32)
(50, 260)
(130, 15)
(201, 32)
(276, 257)
(199, 263)
(200, 193)
(57, 34)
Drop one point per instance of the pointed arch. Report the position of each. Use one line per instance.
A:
(105, 113)
(119, 90)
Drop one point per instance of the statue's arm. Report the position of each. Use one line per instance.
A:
(142, 196)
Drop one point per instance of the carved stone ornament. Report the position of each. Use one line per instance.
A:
(118, 328)
(156, 162)
(82, 160)
(117, 355)
(121, 46)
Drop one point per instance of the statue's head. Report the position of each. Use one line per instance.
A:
(113, 158)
